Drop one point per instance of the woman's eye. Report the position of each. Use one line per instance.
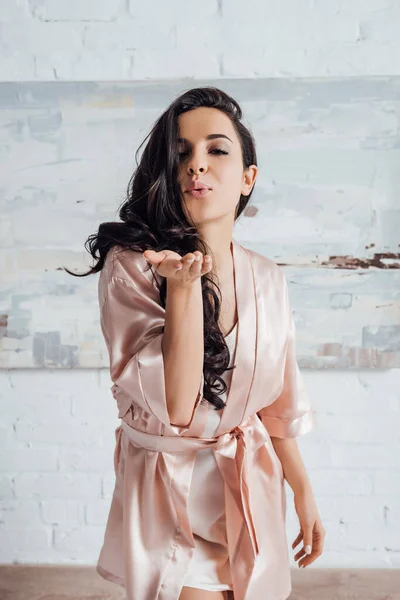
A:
(214, 150)
(219, 151)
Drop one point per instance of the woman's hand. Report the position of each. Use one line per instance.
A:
(182, 270)
(311, 530)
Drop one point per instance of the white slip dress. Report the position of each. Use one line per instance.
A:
(209, 568)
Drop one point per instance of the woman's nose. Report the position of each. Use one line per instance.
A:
(198, 166)
(197, 163)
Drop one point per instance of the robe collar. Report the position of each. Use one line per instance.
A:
(246, 345)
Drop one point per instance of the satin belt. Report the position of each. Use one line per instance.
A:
(251, 434)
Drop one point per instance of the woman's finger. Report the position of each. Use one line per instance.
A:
(308, 538)
(187, 261)
(318, 536)
(206, 263)
(197, 263)
(297, 540)
(299, 554)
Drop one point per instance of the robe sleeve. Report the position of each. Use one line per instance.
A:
(291, 414)
(132, 321)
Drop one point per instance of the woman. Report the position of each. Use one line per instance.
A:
(202, 358)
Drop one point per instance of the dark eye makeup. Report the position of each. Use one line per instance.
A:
(215, 150)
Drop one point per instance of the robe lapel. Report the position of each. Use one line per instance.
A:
(246, 344)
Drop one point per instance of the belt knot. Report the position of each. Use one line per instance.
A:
(227, 442)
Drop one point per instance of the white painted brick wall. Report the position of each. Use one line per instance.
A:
(44, 40)
(57, 428)
(57, 478)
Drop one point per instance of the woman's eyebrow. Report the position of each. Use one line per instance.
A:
(211, 136)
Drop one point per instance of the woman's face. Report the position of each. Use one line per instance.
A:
(215, 162)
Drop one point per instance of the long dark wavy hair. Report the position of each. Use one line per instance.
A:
(152, 217)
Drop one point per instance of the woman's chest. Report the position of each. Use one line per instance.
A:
(229, 314)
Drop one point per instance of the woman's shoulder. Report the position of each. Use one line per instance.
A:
(124, 263)
(265, 266)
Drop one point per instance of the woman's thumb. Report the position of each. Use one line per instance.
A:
(155, 257)
(307, 544)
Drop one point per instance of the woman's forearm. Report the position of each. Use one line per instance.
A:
(294, 470)
(183, 349)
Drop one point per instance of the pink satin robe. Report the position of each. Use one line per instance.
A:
(148, 543)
